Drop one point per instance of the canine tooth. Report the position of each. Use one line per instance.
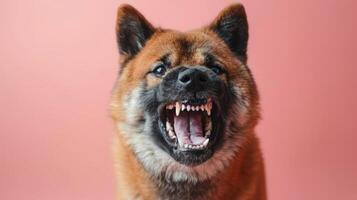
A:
(178, 108)
(208, 112)
(183, 107)
(208, 107)
(188, 107)
(205, 142)
(168, 126)
(185, 145)
(202, 107)
(197, 108)
(180, 144)
(172, 134)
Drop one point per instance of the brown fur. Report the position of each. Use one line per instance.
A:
(243, 178)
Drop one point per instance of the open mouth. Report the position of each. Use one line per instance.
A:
(188, 123)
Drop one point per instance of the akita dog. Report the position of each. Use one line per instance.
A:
(185, 106)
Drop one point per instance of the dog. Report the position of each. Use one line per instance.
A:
(185, 106)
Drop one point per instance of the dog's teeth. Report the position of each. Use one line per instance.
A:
(185, 145)
(188, 107)
(178, 108)
(208, 107)
(202, 107)
(197, 108)
(208, 110)
(172, 134)
(168, 125)
(205, 142)
(183, 107)
(193, 108)
(180, 144)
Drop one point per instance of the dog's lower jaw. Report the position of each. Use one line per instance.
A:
(245, 173)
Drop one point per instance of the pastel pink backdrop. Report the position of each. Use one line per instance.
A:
(58, 62)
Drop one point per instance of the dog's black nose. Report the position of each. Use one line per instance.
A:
(192, 78)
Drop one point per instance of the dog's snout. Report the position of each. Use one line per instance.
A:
(192, 77)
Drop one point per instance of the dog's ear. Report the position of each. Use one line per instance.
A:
(132, 30)
(231, 25)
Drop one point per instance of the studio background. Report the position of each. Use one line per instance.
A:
(59, 61)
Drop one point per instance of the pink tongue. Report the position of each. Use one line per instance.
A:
(188, 128)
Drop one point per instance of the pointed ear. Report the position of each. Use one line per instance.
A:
(132, 30)
(231, 25)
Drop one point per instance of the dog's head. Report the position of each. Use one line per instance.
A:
(184, 101)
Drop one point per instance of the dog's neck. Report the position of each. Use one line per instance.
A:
(184, 190)
(208, 189)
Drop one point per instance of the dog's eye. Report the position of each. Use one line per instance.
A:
(217, 69)
(159, 69)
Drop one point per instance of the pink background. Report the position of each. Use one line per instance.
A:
(58, 62)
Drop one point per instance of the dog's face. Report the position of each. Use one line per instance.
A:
(183, 101)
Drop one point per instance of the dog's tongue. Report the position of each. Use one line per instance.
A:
(188, 128)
